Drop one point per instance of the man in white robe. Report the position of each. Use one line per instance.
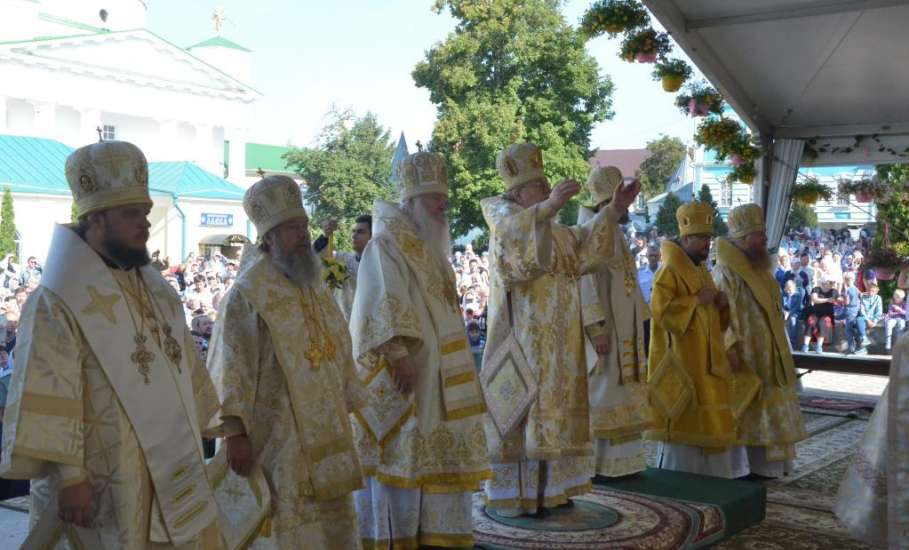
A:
(281, 361)
(614, 312)
(421, 435)
(360, 234)
(544, 455)
(873, 500)
(109, 401)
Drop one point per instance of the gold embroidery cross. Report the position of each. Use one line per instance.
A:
(143, 358)
(102, 303)
(314, 356)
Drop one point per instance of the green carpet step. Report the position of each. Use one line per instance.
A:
(743, 503)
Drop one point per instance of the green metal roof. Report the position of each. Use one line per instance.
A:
(267, 157)
(218, 41)
(37, 165)
(186, 180)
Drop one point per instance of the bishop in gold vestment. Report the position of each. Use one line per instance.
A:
(689, 374)
(535, 266)
(280, 357)
(772, 423)
(421, 435)
(109, 400)
(614, 312)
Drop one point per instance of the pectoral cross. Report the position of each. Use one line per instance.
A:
(314, 356)
(142, 358)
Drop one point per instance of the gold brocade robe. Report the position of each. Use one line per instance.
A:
(540, 263)
(757, 334)
(694, 333)
(66, 410)
(406, 304)
(311, 474)
(612, 304)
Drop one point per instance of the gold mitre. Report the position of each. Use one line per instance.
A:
(272, 201)
(744, 220)
(422, 173)
(695, 218)
(520, 163)
(107, 174)
(602, 183)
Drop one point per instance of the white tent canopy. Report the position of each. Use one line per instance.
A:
(795, 70)
(803, 68)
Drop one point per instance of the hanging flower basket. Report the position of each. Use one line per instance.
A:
(672, 74)
(743, 174)
(810, 191)
(736, 160)
(700, 99)
(884, 260)
(865, 189)
(614, 17)
(645, 46)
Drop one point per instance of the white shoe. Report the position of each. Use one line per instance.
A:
(508, 512)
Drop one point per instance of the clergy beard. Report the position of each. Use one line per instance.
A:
(435, 234)
(301, 265)
(124, 256)
(760, 259)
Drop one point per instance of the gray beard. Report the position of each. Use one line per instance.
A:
(304, 269)
(435, 234)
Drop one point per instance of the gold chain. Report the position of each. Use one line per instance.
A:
(142, 358)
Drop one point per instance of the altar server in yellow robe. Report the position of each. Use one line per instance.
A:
(614, 312)
(281, 360)
(109, 401)
(535, 266)
(421, 434)
(772, 423)
(689, 372)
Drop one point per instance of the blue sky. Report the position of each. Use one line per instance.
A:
(309, 56)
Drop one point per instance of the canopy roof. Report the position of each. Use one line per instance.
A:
(801, 68)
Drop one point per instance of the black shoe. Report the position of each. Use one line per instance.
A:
(567, 504)
(540, 513)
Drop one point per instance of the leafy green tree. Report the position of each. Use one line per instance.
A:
(512, 70)
(7, 223)
(720, 229)
(800, 216)
(665, 155)
(666, 224)
(893, 210)
(347, 170)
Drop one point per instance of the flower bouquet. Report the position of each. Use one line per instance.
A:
(700, 99)
(613, 17)
(809, 191)
(672, 73)
(334, 273)
(645, 46)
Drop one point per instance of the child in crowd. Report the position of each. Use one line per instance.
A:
(896, 317)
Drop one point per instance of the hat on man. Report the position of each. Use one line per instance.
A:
(602, 183)
(107, 174)
(520, 163)
(695, 218)
(272, 201)
(423, 173)
(745, 220)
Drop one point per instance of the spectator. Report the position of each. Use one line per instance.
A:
(476, 342)
(31, 274)
(819, 316)
(896, 317)
(855, 315)
(793, 306)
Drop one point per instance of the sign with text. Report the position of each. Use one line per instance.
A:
(217, 220)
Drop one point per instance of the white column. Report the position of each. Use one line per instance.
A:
(237, 160)
(168, 147)
(89, 122)
(4, 126)
(204, 153)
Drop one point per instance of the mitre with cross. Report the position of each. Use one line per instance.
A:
(107, 174)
